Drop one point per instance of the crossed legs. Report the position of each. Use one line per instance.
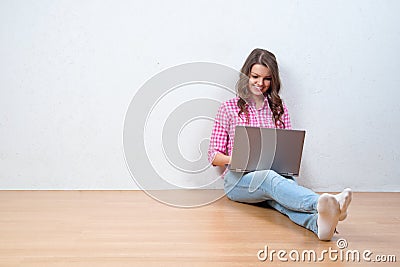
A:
(318, 213)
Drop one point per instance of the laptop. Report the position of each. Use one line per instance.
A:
(258, 148)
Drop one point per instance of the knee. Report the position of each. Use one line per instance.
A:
(272, 173)
(267, 173)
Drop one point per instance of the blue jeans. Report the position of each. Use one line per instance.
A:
(283, 194)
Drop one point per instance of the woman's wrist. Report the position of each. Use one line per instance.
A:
(221, 160)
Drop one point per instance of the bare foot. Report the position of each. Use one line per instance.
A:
(344, 200)
(328, 216)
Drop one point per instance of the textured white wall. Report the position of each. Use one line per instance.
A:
(69, 70)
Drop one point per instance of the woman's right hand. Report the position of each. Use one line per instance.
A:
(221, 160)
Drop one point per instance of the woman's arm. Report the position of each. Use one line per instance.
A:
(221, 160)
(219, 137)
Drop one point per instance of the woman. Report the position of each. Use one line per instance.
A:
(258, 104)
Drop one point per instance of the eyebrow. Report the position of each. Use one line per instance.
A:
(268, 76)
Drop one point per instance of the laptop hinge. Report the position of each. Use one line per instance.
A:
(288, 174)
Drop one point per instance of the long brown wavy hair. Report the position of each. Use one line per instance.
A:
(267, 59)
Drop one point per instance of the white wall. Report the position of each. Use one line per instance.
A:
(69, 70)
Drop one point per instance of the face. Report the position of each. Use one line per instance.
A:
(259, 79)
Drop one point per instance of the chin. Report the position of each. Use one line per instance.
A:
(257, 93)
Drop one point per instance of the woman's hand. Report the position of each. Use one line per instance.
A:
(221, 160)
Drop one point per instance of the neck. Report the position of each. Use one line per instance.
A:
(259, 101)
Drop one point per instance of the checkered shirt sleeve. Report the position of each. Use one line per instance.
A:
(219, 134)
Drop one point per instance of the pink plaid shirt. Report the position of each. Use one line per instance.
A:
(227, 119)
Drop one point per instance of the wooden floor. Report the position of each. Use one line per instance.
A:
(128, 228)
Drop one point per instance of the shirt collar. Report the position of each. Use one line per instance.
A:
(252, 103)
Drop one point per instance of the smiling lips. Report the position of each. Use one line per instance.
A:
(259, 88)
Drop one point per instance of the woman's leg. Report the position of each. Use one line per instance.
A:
(307, 220)
(301, 205)
(259, 186)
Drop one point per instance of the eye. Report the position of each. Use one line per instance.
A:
(268, 79)
(254, 76)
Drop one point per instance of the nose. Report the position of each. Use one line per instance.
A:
(260, 82)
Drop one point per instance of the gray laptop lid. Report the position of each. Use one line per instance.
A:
(258, 148)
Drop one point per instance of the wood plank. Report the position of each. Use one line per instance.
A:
(128, 228)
